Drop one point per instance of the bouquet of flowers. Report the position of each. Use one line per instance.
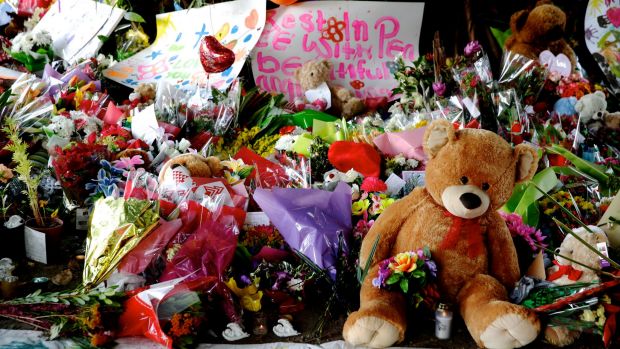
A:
(410, 272)
(33, 49)
(75, 165)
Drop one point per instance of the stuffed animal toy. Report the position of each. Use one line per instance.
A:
(591, 108)
(192, 165)
(314, 78)
(470, 174)
(565, 106)
(611, 120)
(538, 30)
(565, 272)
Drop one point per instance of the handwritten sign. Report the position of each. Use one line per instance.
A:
(174, 54)
(361, 39)
(602, 31)
(75, 24)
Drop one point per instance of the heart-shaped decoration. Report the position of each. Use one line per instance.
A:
(559, 64)
(252, 19)
(215, 57)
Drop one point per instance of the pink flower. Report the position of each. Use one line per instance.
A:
(472, 48)
(439, 88)
(373, 184)
(128, 163)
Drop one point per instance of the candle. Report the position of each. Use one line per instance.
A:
(443, 321)
(260, 324)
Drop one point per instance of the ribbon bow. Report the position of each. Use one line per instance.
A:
(572, 273)
(464, 228)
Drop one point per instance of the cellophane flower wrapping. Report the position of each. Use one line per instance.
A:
(475, 81)
(310, 220)
(116, 227)
(170, 108)
(212, 112)
(205, 244)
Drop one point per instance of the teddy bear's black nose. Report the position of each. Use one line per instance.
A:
(470, 201)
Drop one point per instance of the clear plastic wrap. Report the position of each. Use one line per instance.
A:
(212, 112)
(526, 76)
(170, 108)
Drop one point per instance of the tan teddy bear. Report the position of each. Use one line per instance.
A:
(470, 174)
(537, 30)
(193, 165)
(315, 76)
(566, 272)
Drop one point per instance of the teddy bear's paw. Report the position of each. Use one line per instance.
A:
(372, 332)
(511, 330)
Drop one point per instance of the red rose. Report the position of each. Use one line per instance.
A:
(373, 184)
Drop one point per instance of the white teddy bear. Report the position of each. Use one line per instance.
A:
(591, 109)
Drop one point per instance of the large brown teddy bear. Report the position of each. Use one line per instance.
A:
(469, 176)
(194, 165)
(537, 30)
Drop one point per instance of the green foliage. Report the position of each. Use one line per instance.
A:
(23, 165)
(109, 296)
(133, 17)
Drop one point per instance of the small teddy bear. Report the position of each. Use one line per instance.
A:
(611, 120)
(175, 177)
(591, 109)
(565, 272)
(537, 30)
(314, 78)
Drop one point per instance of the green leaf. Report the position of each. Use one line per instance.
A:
(393, 278)
(427, 252)
(418, 274)
(525, 196)
(134, 17)
(80, 301)
(404, 285)
(501, 36)
(364, 272)
(108, 302)
(103, 38)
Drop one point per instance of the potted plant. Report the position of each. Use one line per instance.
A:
(11, 233)
(41, 234)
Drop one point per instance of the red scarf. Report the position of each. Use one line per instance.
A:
(462, 228)
(572, 273)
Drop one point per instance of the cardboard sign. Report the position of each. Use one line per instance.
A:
(360, 38)
(174, 56)
(75, 24)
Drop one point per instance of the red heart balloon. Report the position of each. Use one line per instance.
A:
(215, 57)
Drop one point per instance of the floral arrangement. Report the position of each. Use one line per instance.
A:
(518, 229)
(409, 272)
(397, 164)
(75, 165)
(33, 49)
(90, 315)
(577, 205)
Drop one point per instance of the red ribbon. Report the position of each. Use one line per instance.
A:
(573, 274)
(464, 228)
(609, 329)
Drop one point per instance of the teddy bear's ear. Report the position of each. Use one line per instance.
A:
(527, 162)
(601, 94)
(517, 20)
(437, 135)
(327, 64)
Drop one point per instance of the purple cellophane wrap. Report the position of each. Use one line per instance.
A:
(310, 220)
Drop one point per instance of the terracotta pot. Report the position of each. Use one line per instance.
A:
(52, 232)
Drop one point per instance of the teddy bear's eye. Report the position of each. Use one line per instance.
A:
(311, 74)
(464, 180)
(485, 186)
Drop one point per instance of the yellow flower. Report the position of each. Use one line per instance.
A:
(421, 123)
(250, 295)
(234, 165)
(43, 203)
(360, 206)
(5, 173)
(385, 203)
(588, 315)
(404, 262)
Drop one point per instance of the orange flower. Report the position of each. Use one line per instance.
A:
(404, 262)
(99, 339)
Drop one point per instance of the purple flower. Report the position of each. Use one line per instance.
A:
(472, 48)
(245, 280)
(439, 88)
(432, 268)
(516, 227)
